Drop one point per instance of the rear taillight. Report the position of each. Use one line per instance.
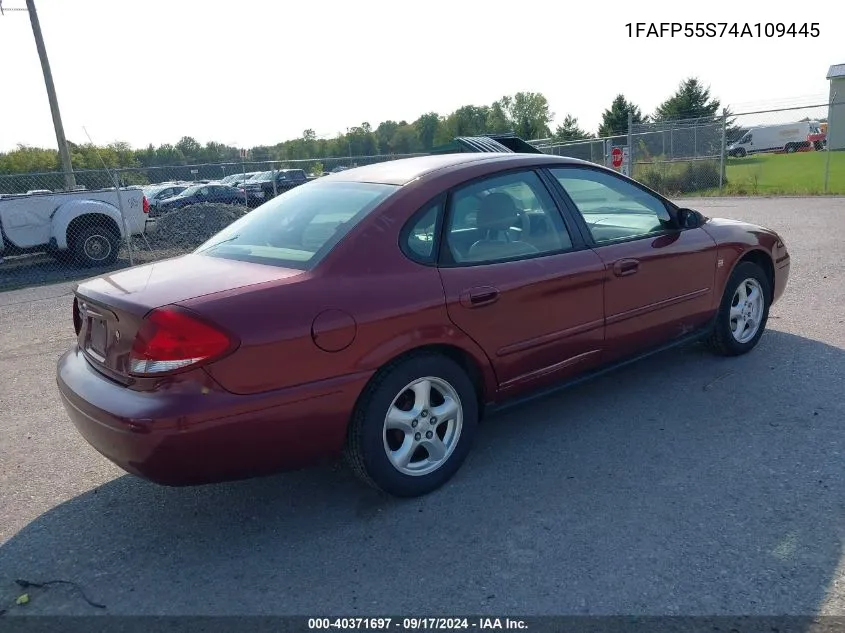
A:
(77, 317)
(146, 205)
(171, 339)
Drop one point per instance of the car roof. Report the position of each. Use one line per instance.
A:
(404, 170)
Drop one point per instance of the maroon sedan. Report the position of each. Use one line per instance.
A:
(379, 311)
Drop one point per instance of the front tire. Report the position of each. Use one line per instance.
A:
(414, 425)
(743, 312)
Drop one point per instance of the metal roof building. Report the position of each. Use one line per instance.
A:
(836, 110)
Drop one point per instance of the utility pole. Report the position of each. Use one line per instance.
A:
(67, 168)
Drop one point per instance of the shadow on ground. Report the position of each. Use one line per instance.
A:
(686, 484)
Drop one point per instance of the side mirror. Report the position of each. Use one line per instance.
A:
(689, 219)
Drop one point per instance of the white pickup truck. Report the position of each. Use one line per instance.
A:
(85, 226)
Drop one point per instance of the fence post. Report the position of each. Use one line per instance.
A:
(830, 117)
(722, 152)
(695, 138)
(243, 175)
(630, 144)
(127, 230)
(273, 174)
(672, 139)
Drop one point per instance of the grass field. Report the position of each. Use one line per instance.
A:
(778, 174)
(763, 175)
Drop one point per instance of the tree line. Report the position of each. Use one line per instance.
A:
(527, 114)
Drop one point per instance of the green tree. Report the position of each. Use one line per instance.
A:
(569, 130)
(405, 140)
(190, 149)
(384, 136)
(426, 127)
(526, 113)
(614, 120)
(691, 100)
(467, 120)
(497, 119)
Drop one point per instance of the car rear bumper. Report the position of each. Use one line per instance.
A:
(191, 434)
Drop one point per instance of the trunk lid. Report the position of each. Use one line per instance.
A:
(109, 310)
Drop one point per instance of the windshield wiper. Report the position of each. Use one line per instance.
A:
(228, 239)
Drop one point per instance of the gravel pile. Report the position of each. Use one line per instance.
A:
(189, 227)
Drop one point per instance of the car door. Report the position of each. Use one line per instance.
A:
(659, 278)
(520, 281)
(219, 194)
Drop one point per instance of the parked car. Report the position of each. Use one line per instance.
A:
(201, 193)
(85, 226)
(157, 193)
(379, 312)
(261, 187)
(231, 179)
(786, 137)
(242, 178)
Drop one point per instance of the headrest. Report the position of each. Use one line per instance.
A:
(498, 212)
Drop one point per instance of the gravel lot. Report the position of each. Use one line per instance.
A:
(685, 484)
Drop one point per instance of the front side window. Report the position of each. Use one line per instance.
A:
(504, 217)
(613, 208)
(299, 227)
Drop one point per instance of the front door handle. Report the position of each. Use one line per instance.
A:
(480, 296)
(625, 267)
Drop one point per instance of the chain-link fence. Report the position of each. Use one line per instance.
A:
(116, 218)
(772, 152)
(122, 217)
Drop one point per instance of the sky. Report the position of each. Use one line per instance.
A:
(256, 72)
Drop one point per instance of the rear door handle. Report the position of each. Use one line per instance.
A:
(481, 296)
(625, 267)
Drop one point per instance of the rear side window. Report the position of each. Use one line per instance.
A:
(418, 237)
(298, 228)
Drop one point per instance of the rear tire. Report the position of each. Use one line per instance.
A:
(392, 443)
(95, 246)
(791, 148)
(743, 312)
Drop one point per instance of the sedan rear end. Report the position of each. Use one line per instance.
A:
(136, 385)
(162, 378)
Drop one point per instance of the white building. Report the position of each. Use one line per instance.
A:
(836, 111)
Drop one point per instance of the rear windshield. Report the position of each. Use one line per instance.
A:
(299, 227)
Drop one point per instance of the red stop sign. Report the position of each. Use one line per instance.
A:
(616, 156)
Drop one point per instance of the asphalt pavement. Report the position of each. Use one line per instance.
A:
(685, 484)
